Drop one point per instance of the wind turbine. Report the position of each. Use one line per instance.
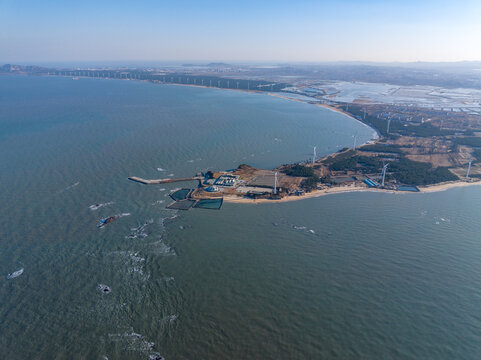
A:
(469, 167)
(384, 167)
(275, 183)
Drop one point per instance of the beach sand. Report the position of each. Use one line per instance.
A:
(348, 189)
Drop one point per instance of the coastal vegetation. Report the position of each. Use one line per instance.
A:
(400, 168)
(299, 170)
(477, 155)
(383, 148)
(411, 172)
(396, 127)
(472, 141)
(310, 183)
(311, 179)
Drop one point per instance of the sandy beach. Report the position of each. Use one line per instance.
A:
(348, 189)
(448, 185)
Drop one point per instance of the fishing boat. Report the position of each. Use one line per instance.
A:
(105, 221)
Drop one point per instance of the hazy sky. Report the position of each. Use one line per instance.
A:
(242, 30)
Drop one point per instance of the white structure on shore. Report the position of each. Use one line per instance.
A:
(469, 167)
(275, 182)
(384, 167)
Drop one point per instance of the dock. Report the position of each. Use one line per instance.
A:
(162, 181)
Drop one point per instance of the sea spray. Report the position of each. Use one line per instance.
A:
(98, 206)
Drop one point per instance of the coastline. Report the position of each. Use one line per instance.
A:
(349, 189)
(334, 190)
(340, 111)
(331, 108)
(278, 95)
(447, 186)
(342, 189)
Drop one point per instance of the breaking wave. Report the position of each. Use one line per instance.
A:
(98, 206)
(130, 340)
(140, 231)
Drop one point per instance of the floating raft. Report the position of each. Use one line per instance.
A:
(212, 204)
(181, 204)
(180, 194)
(182, 197)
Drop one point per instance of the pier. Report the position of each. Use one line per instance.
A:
(162, 181)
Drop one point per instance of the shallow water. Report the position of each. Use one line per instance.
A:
(344, 276)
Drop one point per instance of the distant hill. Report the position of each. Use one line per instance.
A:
(218, 64)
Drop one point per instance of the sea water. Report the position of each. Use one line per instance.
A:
(358, 275)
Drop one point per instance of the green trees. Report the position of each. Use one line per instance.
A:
(311, 180)
(299, 170)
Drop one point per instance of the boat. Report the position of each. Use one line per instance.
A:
(15, 274)
(105, 221)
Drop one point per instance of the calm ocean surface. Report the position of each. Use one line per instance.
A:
(349, 276)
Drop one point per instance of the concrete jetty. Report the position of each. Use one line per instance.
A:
(161, 181)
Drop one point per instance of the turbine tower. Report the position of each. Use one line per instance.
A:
(388, 125)
(384, 167)
(314, 156)
(469, 167)
(275, 183)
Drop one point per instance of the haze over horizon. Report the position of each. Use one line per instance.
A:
(269, 31)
